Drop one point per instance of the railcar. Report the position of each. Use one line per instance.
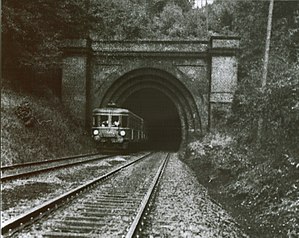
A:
(117, 128)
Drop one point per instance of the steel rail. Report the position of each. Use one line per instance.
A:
(34, 172)
(18, 222)
(14, 166)
(146, 200)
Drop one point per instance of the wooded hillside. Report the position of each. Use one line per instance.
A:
(32, 34)
(261, 174)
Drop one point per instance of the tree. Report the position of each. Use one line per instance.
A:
(267, 48)
(195, 24)
(119, 19)
(169, 23)
(265, 68)
(157, 6)
(33, 30)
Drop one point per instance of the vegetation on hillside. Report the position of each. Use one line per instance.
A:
(278, 103)
(52, 133)
(259, 181)
(259, 188)
(33, 31)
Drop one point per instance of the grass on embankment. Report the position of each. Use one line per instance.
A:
(260, 188)
(53, 134)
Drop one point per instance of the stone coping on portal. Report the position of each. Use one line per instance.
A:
(215, 44)
(149, 46)
(225, 42)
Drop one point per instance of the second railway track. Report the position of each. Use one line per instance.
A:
(113, 208)
(17, 171)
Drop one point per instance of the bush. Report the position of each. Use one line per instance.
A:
(277, 105)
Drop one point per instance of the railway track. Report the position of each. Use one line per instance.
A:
(115, 207)
(16, 171)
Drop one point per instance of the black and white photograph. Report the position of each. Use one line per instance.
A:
(149, 118)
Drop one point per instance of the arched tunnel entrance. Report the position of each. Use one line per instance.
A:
(167, 106)
(198, 77)
(161, 118)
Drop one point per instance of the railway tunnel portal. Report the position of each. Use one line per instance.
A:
(179, 87)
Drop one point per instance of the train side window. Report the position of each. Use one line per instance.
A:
(104, 120)
(115, 121)
(124, 121)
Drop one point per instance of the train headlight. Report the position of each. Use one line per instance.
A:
(96, 132)
(122, 133)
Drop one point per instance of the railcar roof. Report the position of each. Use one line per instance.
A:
(110, 110)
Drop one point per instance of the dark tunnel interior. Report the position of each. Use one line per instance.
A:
(161, 118)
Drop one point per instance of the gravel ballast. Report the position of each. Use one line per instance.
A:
(183, 208)
(21, 195)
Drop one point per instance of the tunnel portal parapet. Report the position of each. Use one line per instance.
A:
(200, 77)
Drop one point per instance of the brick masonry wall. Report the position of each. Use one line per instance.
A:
(208, 70)
(224, 75)
(74, 86)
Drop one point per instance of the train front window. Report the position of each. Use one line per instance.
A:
(115, 121)
(104, 121)
(124, 121)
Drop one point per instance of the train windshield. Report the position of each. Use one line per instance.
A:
(104, 120)
(115, 122)
(111, 121)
